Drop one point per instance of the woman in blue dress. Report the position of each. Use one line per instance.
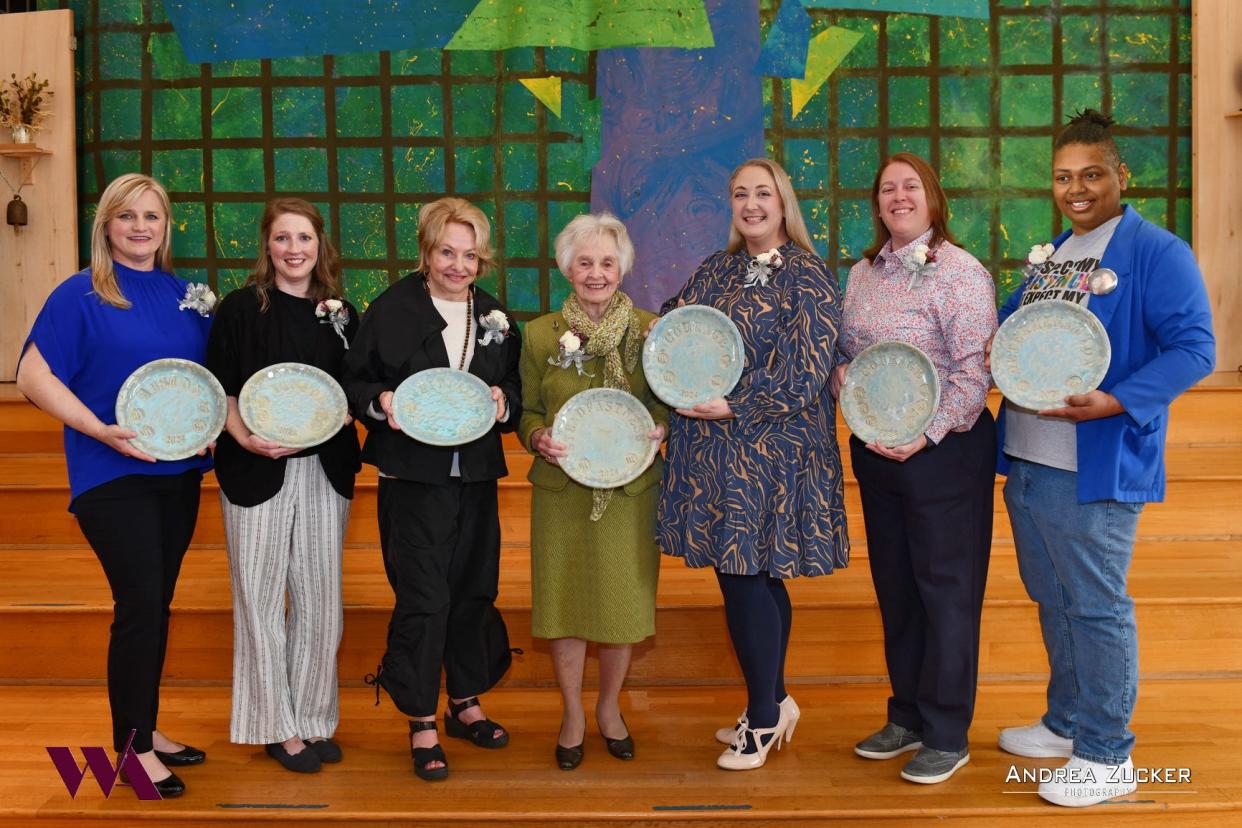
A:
(137, 513)
(753, 484)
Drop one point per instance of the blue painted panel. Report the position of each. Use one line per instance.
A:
(938, 8)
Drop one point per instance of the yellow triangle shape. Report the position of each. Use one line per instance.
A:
(547, 90)
(824, 54)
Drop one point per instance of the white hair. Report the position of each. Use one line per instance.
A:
(590, 227)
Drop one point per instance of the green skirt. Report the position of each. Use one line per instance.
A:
(593, 580)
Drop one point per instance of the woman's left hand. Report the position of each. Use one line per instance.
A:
(1090, 406)
(717, 409)
(498, 397)
(658, 433)
(900, 453)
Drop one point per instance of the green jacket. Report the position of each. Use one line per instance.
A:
(545, 388)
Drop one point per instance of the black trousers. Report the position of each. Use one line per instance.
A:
(139, 526)
(441, 548)
(929, 536)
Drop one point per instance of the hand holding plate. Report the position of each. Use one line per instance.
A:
(1090, 406)
(118, 438)
(267, 448)
(900, 453)
(717, 409)
(987, 354)
(837, 378)
(547, 448)
(498, 397)
(658, 433)
(385, 402)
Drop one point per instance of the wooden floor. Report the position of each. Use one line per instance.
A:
(1186, 579)
(673, 779)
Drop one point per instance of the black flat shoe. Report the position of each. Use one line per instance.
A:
(568, 758)
(186, 756)
(170, 787)
(482, 733)
(621, 748)
(425, 756)
(328, 751)
(304, 761)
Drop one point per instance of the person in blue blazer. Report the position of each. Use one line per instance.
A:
(1079, 475)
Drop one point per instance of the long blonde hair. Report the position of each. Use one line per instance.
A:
(117, 197)
(325, 281)
(795, 227)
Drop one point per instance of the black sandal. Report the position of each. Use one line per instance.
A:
(425, 756)
(482, 733)
(622, 748)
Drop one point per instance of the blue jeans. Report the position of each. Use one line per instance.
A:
(1074, 558)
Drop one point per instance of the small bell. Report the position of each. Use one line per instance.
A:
(16, 214)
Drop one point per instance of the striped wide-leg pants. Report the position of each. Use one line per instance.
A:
(284, 665)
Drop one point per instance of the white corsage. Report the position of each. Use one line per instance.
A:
(1040, 253)
(570, 353)
(761, 268)
(495, 326)
(333, 312)
(198, 298)
(922, 262)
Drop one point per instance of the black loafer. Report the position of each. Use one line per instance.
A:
(169, 787)
(304, 761)
(186, 756)
(328, 751)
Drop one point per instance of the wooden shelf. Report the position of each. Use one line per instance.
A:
(1237, 114)
(28, 157)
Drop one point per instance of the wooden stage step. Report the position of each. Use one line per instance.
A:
(1204, 483)
(55, 609)
(673, 781)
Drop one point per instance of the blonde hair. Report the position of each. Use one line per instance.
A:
(119, 196)
(435, 217)
(794, 226)
(590, 227)
(325, 280)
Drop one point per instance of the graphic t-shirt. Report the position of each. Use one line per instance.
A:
(1047, 440)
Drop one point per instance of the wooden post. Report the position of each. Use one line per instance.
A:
(1216, 126)
(44, 252)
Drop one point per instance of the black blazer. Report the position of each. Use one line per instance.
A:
(401, 335)
(244, 340)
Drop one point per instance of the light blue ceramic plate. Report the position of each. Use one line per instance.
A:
(692, 355)
(293, 404)
(1047, 351)
(605, 432)
(444, 407)
(176, 406)
(890, 394)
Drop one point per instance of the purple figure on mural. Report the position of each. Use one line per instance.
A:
(675, 122)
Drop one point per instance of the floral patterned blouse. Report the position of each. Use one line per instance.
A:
(763, 492)
(949, 314)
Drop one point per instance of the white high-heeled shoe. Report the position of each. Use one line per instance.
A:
(765, 739)
(726, 735)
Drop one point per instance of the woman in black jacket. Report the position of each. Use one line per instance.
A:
(438, 512)
(285, 509)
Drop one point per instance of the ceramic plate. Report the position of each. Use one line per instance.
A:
(176, 406)
(444, 407)
(694, 354)
(1047, 351)
(890, 394)
(296, 405)
(605, 432)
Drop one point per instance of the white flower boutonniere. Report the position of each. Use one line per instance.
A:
(1040, 253)
(333, 312)
(198, 298)
(570, 353)
(761, 268)
(922, 262)
(495, 326)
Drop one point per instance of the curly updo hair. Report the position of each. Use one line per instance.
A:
(1093, 127)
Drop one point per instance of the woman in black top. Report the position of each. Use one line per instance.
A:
(438, 519)
(285, 509)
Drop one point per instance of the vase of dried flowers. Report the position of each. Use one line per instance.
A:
(23, 106)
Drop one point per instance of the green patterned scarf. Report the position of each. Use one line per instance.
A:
(607, 338)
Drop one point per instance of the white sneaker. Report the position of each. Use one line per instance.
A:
(1079, 783)
(1036, 742)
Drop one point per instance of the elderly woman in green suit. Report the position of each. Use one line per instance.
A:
(594, 561)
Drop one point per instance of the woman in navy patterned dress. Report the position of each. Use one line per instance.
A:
(753, 483)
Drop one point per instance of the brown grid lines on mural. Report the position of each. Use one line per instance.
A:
(368, 137)
(981, 100)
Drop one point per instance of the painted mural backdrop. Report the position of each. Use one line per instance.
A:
(540, 109)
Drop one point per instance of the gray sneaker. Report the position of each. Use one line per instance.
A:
(887, 742)
(930, 766)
